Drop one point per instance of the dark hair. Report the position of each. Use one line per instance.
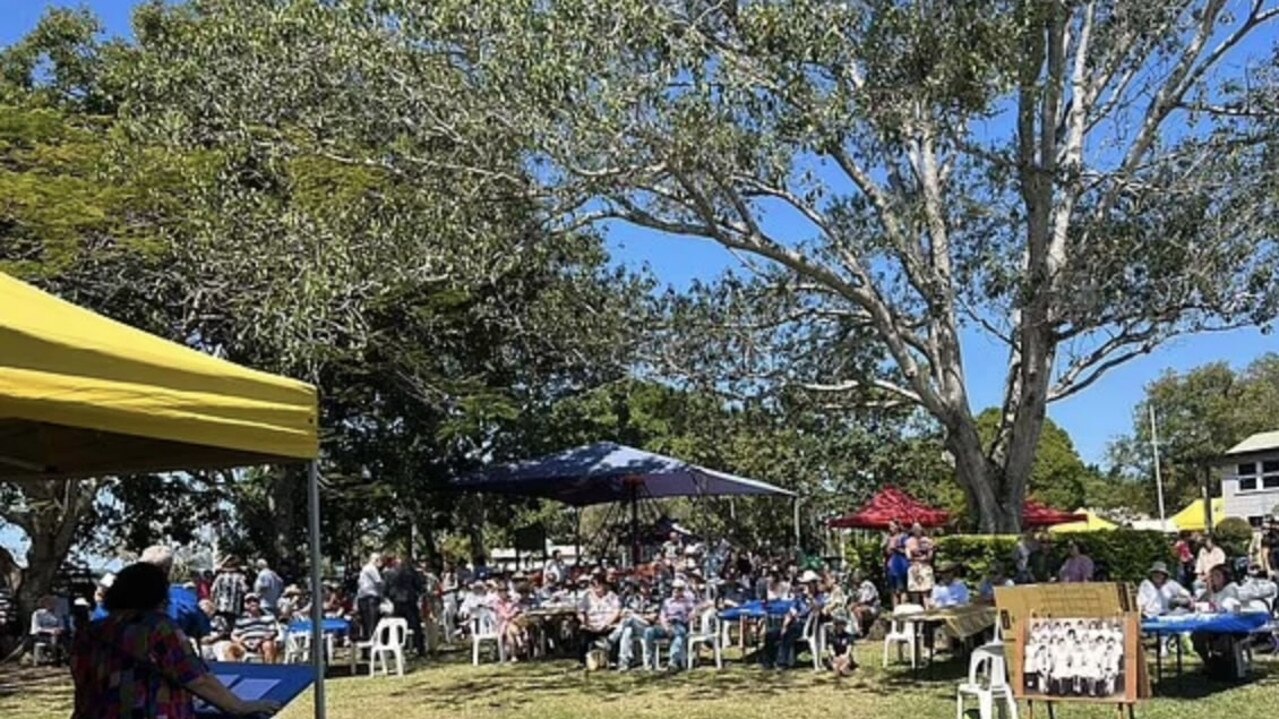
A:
(138, 587)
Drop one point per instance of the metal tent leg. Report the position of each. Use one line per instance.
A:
(317, 588)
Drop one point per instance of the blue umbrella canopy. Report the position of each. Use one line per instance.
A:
(608, 472)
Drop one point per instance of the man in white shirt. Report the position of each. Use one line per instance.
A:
(368, 593)
(1157, 596)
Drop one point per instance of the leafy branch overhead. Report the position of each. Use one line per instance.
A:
(1038, 171)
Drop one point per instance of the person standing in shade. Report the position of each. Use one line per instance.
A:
(404, 586)
(269, 587)
(368, 594)
(136, 662)
(1210, 555)
(229, 588)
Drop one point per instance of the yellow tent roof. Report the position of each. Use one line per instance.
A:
(83, 395)
(1094, 523)
(1192, 519)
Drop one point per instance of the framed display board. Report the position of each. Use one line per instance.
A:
(1073, 642)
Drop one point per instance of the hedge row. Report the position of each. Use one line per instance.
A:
(1119, 555)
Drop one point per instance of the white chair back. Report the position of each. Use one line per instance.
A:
(391, 633)
(484, 623)
(708, 623)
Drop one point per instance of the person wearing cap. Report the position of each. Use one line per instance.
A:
(779, 640)
(255, 630)
(672, 623)
(840, 644)
(639, 612)
(1157, 595)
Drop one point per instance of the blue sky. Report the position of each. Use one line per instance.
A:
(1092, 417)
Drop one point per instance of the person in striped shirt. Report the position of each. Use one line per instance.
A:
(255, 630)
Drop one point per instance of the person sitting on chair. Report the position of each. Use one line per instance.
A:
(866, 603)
(47, 629)
(779, 641)
(1157, 595)
(598, 614)
(255, 631)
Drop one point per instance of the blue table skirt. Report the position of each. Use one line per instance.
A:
(1225, 623)
(756, 610)
(331, 626)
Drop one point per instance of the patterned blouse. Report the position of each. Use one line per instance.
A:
(134, 666)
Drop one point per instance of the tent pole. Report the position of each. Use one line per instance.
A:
(317, 589)
(577, 538)
(635, 547)
(795, 505)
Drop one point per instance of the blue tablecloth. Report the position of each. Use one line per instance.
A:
(1225, 623)
(331, 626)
(280, 682)
(756, 610)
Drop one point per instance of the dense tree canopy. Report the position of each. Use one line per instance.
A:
(1067, 177)
(1199, 414)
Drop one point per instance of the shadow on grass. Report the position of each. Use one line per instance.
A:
(37, 681)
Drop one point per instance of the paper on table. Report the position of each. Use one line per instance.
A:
(251, 689)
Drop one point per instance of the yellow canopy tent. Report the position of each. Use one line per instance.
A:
(82, 395)
(1192, 519)
(1094, 523)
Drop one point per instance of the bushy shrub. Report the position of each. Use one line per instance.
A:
(978, 552)
(1233, 534)
(1120, 555)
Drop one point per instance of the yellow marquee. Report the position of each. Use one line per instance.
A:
(83, 395)
(1094, 523)
(1192, 519)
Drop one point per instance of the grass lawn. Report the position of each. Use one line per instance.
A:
(450, 689)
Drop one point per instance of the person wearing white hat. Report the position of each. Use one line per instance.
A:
(779, 641)
(1157, 595)
(672, 623)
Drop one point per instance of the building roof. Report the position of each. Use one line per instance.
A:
(1260, 442)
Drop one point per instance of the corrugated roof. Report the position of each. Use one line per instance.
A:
(1259, 442)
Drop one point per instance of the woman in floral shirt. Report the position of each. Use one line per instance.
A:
(136, 664)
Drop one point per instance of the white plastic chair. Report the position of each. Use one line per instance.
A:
(812, 635)
(992, 648)
(484, 628)
(389, 637)
(708, 632)
(996, 687)
(901, 631)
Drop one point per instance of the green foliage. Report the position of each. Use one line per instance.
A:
(1233, 534)
(1123, 555)
(1058, 478)
(978, 553)
(1200, 413)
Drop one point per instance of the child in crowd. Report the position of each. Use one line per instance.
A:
(840, 642)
